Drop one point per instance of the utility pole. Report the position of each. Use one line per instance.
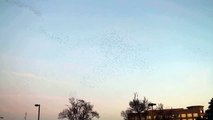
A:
(25, 116)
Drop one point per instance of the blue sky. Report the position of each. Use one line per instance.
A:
(103, 52)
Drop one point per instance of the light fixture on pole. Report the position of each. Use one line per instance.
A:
(38, 105)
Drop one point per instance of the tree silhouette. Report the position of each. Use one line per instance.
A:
(136, 106)
(78, 110)
(209, 112)
(162, 114)
(125, 114)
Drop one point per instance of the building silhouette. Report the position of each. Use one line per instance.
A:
(190, 113)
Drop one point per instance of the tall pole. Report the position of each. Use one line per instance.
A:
(39, 112)
(38, 105)
(25, 116)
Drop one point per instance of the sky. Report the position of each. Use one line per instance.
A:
(103, 52)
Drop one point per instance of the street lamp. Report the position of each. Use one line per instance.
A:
(38, 105)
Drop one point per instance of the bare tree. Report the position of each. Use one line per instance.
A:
(125, 114)
(168, 114)
(78, 110)
(160, 106)
(136, 106)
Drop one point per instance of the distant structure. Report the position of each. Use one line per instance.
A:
(25, 116)
(191, 113)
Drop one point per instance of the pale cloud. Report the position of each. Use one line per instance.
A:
(24, 6)
(27, 75)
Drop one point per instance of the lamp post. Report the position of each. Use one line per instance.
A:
(38, 105)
